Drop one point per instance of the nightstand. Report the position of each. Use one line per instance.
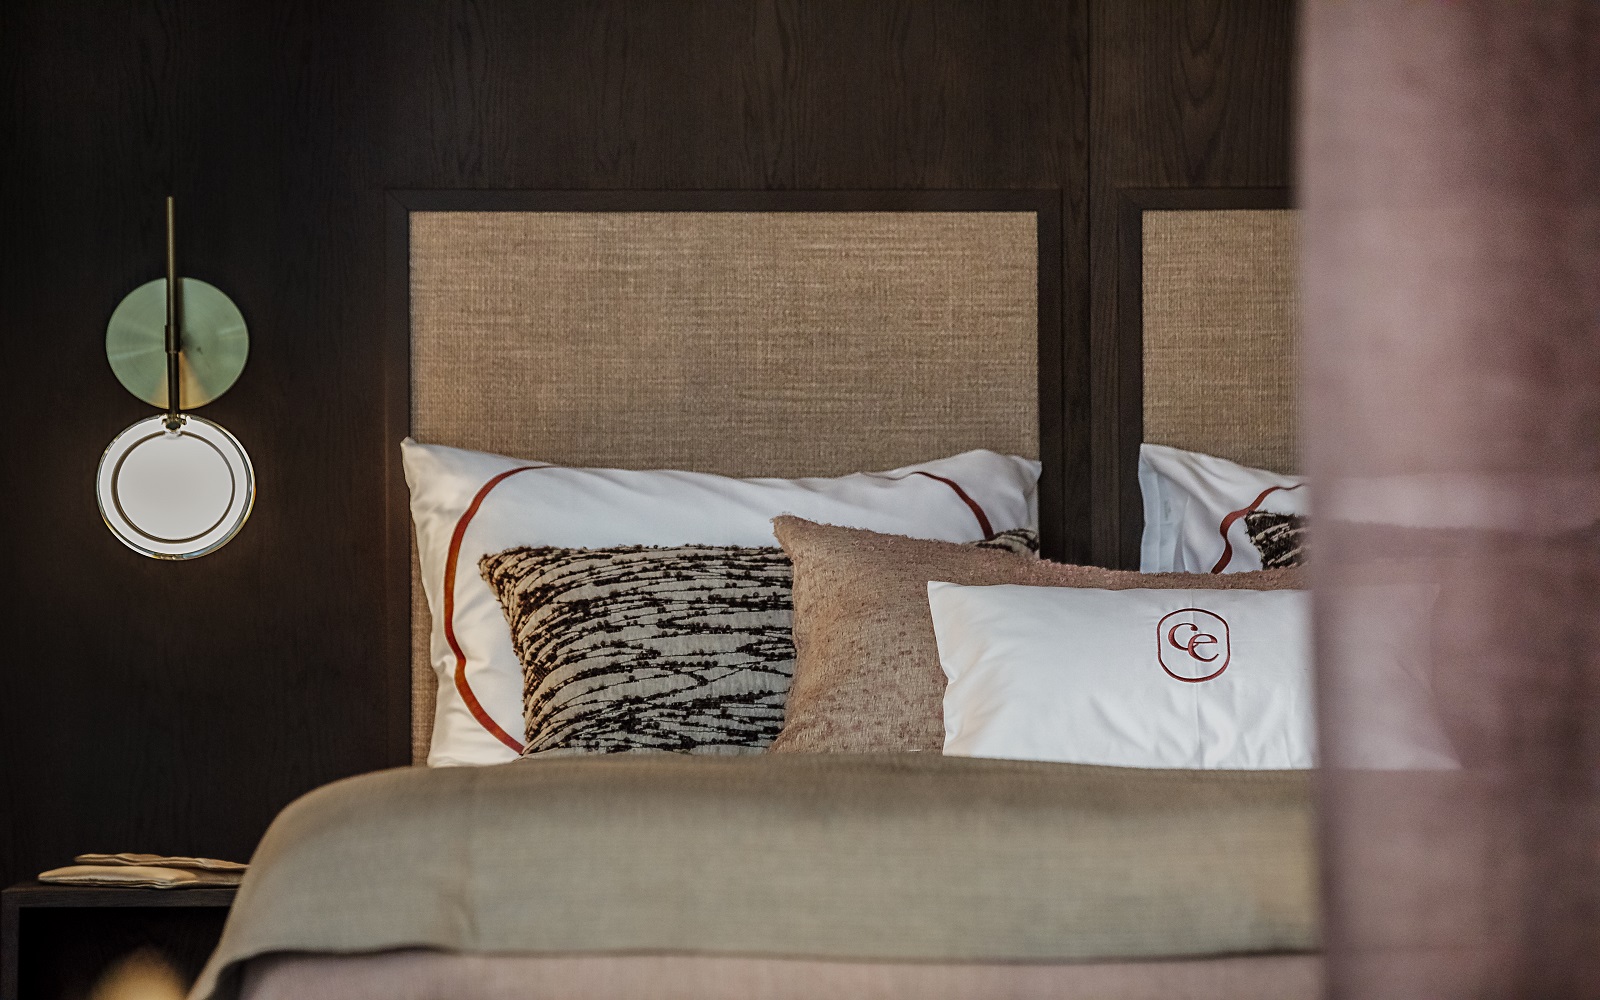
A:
(57, 940)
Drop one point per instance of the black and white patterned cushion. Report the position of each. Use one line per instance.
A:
(1022, 541)
(684, 649)
(1280, 538)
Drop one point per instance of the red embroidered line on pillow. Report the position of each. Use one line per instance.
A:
(454, 555)
(1231, 519)
(972, 505)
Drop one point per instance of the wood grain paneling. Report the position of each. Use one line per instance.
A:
(176, 707)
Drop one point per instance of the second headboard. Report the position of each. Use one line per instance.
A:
(1208, 311)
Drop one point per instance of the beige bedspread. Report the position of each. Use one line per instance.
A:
(870, 857)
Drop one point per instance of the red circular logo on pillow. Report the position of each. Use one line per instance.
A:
(1193, 645)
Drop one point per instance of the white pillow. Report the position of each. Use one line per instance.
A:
(1135, 678)
(477, 503)
(1194, 507)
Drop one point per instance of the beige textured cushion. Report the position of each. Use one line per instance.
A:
(866, 675)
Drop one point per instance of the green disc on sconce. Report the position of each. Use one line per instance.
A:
(213, 344)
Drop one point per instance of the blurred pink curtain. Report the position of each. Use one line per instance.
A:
(1450, 176)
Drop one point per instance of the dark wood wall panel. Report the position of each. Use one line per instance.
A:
(176, 707)
(179, 705)
(785, 94)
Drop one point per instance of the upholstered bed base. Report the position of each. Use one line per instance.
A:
(432, 975)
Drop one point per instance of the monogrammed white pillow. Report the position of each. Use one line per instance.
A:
(1136, 678)
(466, 504)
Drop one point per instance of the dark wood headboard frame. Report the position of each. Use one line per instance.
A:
(1122, 408)
(1065, 503)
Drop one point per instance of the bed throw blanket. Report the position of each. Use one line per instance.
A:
(838, 856)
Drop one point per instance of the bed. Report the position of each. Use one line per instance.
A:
(758, 335)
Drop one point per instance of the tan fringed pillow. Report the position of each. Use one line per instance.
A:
(866, 673)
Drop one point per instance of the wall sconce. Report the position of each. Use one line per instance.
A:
(176, 486)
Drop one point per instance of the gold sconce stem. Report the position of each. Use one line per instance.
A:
(174, 323)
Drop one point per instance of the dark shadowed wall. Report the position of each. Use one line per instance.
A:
(175, 708)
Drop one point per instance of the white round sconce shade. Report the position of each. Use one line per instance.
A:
(175, 494)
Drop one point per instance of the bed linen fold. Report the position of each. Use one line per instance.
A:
(870, 857)
(442, 975)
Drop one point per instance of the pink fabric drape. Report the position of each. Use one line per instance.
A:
(1450, 173)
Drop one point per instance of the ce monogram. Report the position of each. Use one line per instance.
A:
(1193, 645)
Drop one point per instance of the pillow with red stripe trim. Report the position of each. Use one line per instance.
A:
(467, 504)
(1195, 508)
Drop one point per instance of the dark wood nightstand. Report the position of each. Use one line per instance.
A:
(57, 940)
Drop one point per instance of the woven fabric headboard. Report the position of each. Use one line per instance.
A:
(741, 342)
(1204, 342)
(1219, 314)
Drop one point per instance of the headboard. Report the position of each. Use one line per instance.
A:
(742, 333)
(1208, 313)
(774, 333)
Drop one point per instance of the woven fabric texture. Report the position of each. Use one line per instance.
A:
(1220, 317)
(747, 344)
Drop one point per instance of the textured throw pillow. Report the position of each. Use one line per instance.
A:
(684, 649)
(867, 675)
(1280, 538)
